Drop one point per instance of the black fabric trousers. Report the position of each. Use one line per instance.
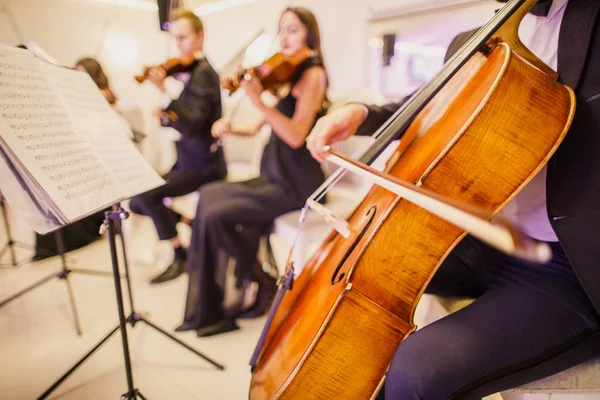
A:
(230, 219)
(178, 183)
(529, 321)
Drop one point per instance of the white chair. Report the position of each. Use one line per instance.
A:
(342, 200)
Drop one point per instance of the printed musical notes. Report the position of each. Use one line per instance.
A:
(108, 132)
(71, 148)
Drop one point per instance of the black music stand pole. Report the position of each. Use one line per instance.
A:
(112, 224)
(132, 393)
(135, 317)
(10, 242)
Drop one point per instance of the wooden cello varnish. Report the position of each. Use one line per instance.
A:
(479, 141)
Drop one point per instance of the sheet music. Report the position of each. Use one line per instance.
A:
(36, 130)
(17, 193)
(108, 131)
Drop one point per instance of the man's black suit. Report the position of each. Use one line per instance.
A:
(529, 321)
(197, 108)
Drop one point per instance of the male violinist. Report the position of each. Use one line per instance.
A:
(192, 115)
(528, 321)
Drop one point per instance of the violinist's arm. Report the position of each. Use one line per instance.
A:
(243, 130)
(310, 93)
(196, 114)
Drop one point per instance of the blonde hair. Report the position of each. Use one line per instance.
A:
(190, 16)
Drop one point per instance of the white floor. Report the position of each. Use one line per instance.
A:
(38, 342)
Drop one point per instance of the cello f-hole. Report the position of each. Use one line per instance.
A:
(367, 221)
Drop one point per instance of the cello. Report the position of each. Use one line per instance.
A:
(471, 137)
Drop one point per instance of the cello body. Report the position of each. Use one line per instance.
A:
(481, 139)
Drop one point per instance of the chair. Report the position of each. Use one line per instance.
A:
(342, 200)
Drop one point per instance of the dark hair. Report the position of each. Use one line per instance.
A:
(313, 37)
(190, 16)
(95, 71)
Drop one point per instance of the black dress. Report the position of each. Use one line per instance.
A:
(231, 217)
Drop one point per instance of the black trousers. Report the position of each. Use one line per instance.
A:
(178, 183)
(230, 219)
(529, 321)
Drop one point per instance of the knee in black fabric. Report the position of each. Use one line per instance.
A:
(135, 205)
(416, 374)
(142, 203)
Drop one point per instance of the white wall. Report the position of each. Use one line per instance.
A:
(123, 39)
(422, 24)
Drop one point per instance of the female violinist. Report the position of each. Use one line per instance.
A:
(93, 68)
(528, 320)
(231, 217)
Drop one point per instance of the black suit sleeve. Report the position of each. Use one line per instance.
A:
(199, 103)
(379, 114)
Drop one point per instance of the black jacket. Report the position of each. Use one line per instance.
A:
(197, 108)
(573, 182)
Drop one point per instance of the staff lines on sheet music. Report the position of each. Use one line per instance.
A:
(59, 165)
(31, 107)
(62, 116)
(25, 86)
(86, 185)
(26, 76)
(28, 67)
(39, 125)
(74, 172)
(46, 99)
(29, 137)
(61, 154)
(54, 144)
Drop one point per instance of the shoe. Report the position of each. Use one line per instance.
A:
(173, 271)
(267, 288)
(186, 326)
(223, 326)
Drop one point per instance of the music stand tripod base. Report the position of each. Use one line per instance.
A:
(11, 244)
(112, 225)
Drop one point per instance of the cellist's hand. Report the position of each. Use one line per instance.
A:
(335, 127)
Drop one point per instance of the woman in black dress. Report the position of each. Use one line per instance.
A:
(231, 217)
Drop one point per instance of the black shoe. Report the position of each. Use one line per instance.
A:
(173, 271)
(267, 288)
(186, 326)
(223, 326)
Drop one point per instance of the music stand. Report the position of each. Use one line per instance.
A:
(11, 244)
(112, 225)
(62, 274)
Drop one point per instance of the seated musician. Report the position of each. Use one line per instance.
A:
(529, 320)
(231, 217)
(93, 68)
(84, 231)
(192, 115)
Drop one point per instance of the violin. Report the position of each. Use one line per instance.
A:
(171, 66)
(470, 136)
(274, 72)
